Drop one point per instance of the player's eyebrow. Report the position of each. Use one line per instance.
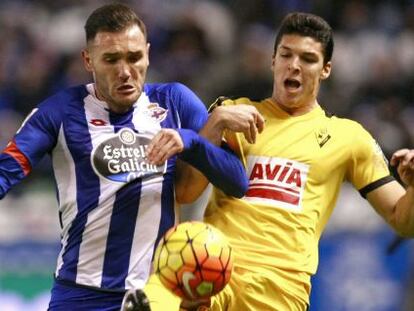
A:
(310, 54)
(285, 47)
(304, 53)
(111, 53)
(134, 53)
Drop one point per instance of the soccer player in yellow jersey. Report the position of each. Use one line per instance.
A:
(296, 167)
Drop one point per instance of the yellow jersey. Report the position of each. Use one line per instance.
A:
(295, 169)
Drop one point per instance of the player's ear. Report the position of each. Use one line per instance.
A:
(326, 71)
(272, 67)
(87, 61)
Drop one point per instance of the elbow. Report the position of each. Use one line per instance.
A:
(402, 226)
(238, 194)
(239, 189)
(403, 230)
(242, 189)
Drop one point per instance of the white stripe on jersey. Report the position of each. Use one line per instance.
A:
(148, 220)
(64, 169)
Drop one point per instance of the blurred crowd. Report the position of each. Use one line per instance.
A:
(221, 48)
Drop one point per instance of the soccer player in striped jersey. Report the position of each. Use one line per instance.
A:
(296, 167)
(121, 150)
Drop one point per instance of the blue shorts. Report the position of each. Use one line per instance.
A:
(66, 297)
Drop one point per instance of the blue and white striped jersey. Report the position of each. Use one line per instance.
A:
(113, 206)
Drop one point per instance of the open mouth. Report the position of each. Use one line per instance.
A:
(292, 84)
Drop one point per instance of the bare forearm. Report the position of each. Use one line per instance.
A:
(403, 159)
(404, 214)
(243, 119)
(190, 185)
(213, 129)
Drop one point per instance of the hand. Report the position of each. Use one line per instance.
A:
(165, 144)
(404, 160)
(241, 118)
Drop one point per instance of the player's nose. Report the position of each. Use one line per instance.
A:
(124, 71)
(294, 63)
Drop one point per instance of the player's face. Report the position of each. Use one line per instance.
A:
(298, 70)
(118, 62)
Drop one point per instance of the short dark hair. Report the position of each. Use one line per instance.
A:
(309, 25)
(112, 18)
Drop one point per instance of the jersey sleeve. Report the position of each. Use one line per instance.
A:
(35, 138)
(192, 111)
(368, 167)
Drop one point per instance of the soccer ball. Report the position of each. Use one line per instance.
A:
(193, 260)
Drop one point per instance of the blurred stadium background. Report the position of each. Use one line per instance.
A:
(218, 48)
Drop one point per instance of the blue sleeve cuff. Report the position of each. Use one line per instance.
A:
(189, 138)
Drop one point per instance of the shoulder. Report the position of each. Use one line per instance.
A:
(352, 134)
(228, 101)
(347, 126)
(174, 96)
(60, 100)
(54, 108)
(165, 89)
(184, 106)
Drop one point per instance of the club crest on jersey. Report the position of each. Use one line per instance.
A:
(276, 181)
(155, 112)
(322, 137)
(122, 157)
